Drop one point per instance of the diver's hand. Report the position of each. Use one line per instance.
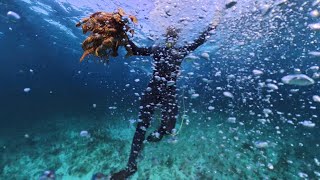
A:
(220, 12)
(230, 4)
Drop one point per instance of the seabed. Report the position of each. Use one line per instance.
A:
(208, 148)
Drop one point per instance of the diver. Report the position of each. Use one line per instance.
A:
(161, 91)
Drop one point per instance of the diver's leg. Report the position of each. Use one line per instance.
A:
(169, 110)
(147, 105)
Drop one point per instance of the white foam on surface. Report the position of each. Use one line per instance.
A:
(39, 10)
(61, 27)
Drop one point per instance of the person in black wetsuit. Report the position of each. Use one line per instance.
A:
(161, 90)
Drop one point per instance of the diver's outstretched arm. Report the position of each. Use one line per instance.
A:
(201, 39)
(213, 25)
(140, 51)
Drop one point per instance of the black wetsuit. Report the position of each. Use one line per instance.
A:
(161, 90)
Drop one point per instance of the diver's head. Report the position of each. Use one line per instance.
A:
(172, 36)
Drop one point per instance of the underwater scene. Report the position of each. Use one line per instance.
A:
(159, 89)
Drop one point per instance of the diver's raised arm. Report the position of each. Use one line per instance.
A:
(201, 39)
(140, 51)
(213, 25)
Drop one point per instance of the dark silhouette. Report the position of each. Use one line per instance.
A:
(161, 90)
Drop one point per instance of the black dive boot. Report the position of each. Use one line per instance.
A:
(124, 174)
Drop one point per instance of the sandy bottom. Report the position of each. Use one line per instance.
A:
(205, 149)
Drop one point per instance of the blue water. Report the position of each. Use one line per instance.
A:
(40, 128)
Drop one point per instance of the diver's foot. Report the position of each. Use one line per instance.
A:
(156, 136)
(123, 174)
(99, 176)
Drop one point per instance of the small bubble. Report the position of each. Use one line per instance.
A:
(27, 90)
(14, 15)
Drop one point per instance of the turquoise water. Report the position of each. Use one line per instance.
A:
(201, 150)
(245, 122)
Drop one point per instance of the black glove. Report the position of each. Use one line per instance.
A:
(231, 4)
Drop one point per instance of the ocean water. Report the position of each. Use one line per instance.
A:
(243, 120)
